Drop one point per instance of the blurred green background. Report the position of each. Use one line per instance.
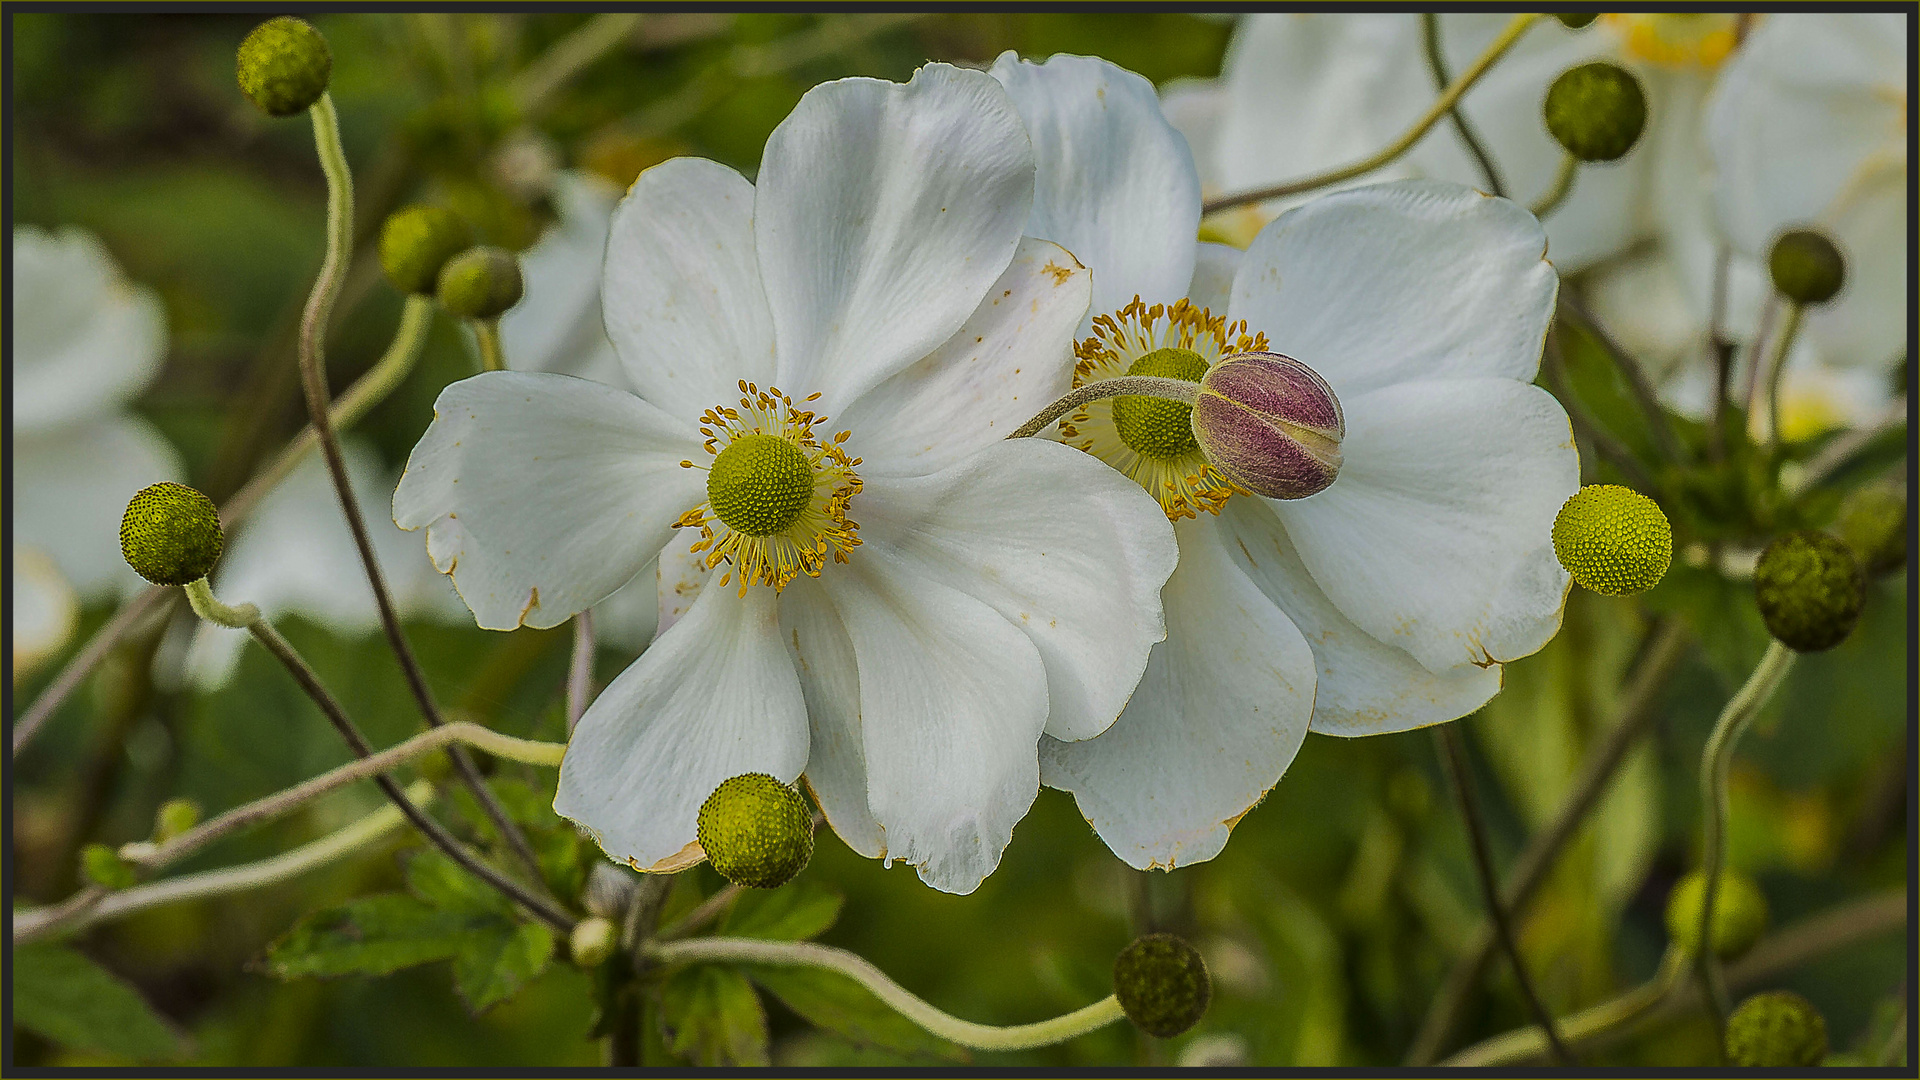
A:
(1328, 922)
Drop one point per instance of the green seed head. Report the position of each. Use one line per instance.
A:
(759, 484)
(105, 868)
(284, 65)
(1807, 268)
(1155, 427)
(1576, 20)
(1162, 984)
(1596, 111)
(1809, 588)
(1739, 914)
(1776, 1030)
(592, 941)
(416, 242)
(480, 283)
(171, 534)
(1873, 522)
(1613, 540)
(174, 817)
(756, 831)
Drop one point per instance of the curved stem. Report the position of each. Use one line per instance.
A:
(1437, 64)
(1777, 366)
(486, 333)
(1180, 390)
(1526, 1044)
(898, 998)
(1722, 351)
(1562, 187)
(131, 614)
(1405, 142)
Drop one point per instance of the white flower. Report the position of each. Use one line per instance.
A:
(85, 343)
(898, 611)
(1387, 601)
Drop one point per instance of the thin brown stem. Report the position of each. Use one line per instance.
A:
(1437, 65)
(131, 614)
(1179, 390)
(1722, 351)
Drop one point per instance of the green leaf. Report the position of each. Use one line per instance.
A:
(441, 882)
(714, 1017)
(493, 965)
(793, 912)
(833, 1002)
(67, 998)
(374, 935)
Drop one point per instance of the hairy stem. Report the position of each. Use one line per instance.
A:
(1437, 64)
(1180, 390)
(580, 670)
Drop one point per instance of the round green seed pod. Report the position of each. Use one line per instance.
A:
(1162, 984)
(592, 941)
(1873, 522)
(171, 534)
(1576, 20)
(284, 65)
(416, 242)
(480, 283)
(1596, 111)
(1613, 540)
(757, 831)
(1776, 1030)
(1806, 267)
(1809, 588)
(174, 817)
(1739, 914)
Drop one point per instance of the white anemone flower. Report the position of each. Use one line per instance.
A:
(896, 605)
(1385, 602)
(85, 343)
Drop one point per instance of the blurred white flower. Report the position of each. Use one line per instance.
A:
(44, 609)
(1387, 601)
(899, 610)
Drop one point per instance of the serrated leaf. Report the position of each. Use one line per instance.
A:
(714, 1017)
(442, 883)
(835, 1003)
(493, 965)
(68, 999)
(793, 912)
(374, 935)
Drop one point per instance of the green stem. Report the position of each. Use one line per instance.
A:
(1437, 64)
(1562, 187)
(1529, 1043)
(487, 333)
(1777, 366)
(898, 998)
(1441, 106)
(1180, 390)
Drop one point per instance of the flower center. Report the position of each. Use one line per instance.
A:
(1698, 40)
(1156, 427)
(778, 492)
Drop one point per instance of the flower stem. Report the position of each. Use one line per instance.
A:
(898, 998)
(1562, 187)
(1441, 106)
(1527, 1043)
(1777, 366)
(580, 669)
(1180, 390)
(487, 333)
(1437, 64)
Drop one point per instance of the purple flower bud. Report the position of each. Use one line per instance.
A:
(1270, 424)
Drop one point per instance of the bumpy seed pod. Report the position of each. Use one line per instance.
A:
(171, 534)
(480, 283)
(1162, 984)
(1809, 588)
(757, 831)
(592, 941)
(1776, 1030)
(284, 65)
(1613, 540)
(1270, 424)
(1739, 914)
(1806, 267)
(416, 242)
(1596, 111)
(1873, 522)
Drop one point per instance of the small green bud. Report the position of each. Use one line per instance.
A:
(1596, 111)
(480, 283)
(1739, 914)
(756, 831)
(592, 941)
(105, 868)
(1776, 1030)
(284, 65)
(171, 534)
(1807, 268)
(1809, 588)
(174, 817)
(1613, 540)
(1270, 424)
(416, 242)
(1576, 20)
(1873, 522)
(1162, 984)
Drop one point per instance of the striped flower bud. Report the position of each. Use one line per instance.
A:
(1270, 424)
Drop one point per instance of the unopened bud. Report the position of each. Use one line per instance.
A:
(1162, 984)
(1809, 589)
(1613, 540)
(609, 890)
(756, 831)
(171, 534)
(416, 242)
(174, 817)
(1270, 424)
(284, 65)
(1739, 914)
(480, 283)
(1873, 522)
(1806, 267)
(592, 940)
(1596, 111)
(1776, 1030)
(105, 868)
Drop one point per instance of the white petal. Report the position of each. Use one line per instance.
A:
(1114, 182)
(71, 488)
(1197, 109)
(1218, 717)
(1010, 360)
(1417, 279)
(830, 679)
(542, 494)
(682, 293)
(1213, 268)
(44, 609)
(952, 700)
(556, 326)
(884, 214)
(1063, 547)
(1436, 537)
(678, 578)
(715, 697)
(1866, 325)
(1365, 687)
(84, 339)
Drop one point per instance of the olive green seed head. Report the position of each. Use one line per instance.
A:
(757, 831)
(1776, 1030)
(1576, 20)
(759, 484)
(1596, 111)
(416, 242)
(1873, 522)
(1739, 914)
(1806, 267)
(1155, 427)
(1613, 540)
(592, 940)
(1162, 984)
(284, 65)
(171, 534)
(105, 868)
(1810, 589)
(480, 283)
(174, 817)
